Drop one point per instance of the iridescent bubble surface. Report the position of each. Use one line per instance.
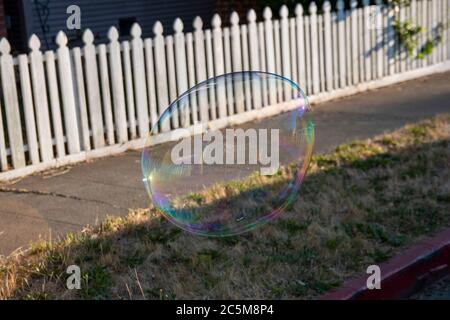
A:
(230, 154)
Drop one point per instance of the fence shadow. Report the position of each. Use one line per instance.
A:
(380, 202)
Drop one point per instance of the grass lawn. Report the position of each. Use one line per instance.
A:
(359, 205)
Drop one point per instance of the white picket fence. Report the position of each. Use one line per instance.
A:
(66, 106)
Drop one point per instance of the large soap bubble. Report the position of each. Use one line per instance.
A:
(230, 154)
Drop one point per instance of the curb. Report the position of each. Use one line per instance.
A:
(404, 274)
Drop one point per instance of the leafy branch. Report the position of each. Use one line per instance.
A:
(408, 33)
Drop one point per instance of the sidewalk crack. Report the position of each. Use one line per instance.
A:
(54, 194)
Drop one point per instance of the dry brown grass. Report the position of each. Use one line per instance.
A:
(359, 205)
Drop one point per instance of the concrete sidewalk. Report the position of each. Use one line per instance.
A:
(51, 204)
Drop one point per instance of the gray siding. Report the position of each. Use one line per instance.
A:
(99, 15)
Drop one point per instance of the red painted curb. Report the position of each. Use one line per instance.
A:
(404, 274)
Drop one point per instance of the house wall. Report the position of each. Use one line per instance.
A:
(226, 7)
(16, 28)
(2, 20)
(100, 15)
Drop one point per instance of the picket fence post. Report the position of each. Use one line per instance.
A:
(200, 67)
(106, 93)
(55, 105)
(191, 74)
(270, 53)
(140, 83)
(11, 105)
(161, 72)
(28, 109)
(328, 46)
(67, 94)
(254, 57)
(301, 47)
(236, 58)
(219, 64)
(118, 91)
(181, 69)
(285, 49)
(93, 89)
(341, 44)
(80, 99)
